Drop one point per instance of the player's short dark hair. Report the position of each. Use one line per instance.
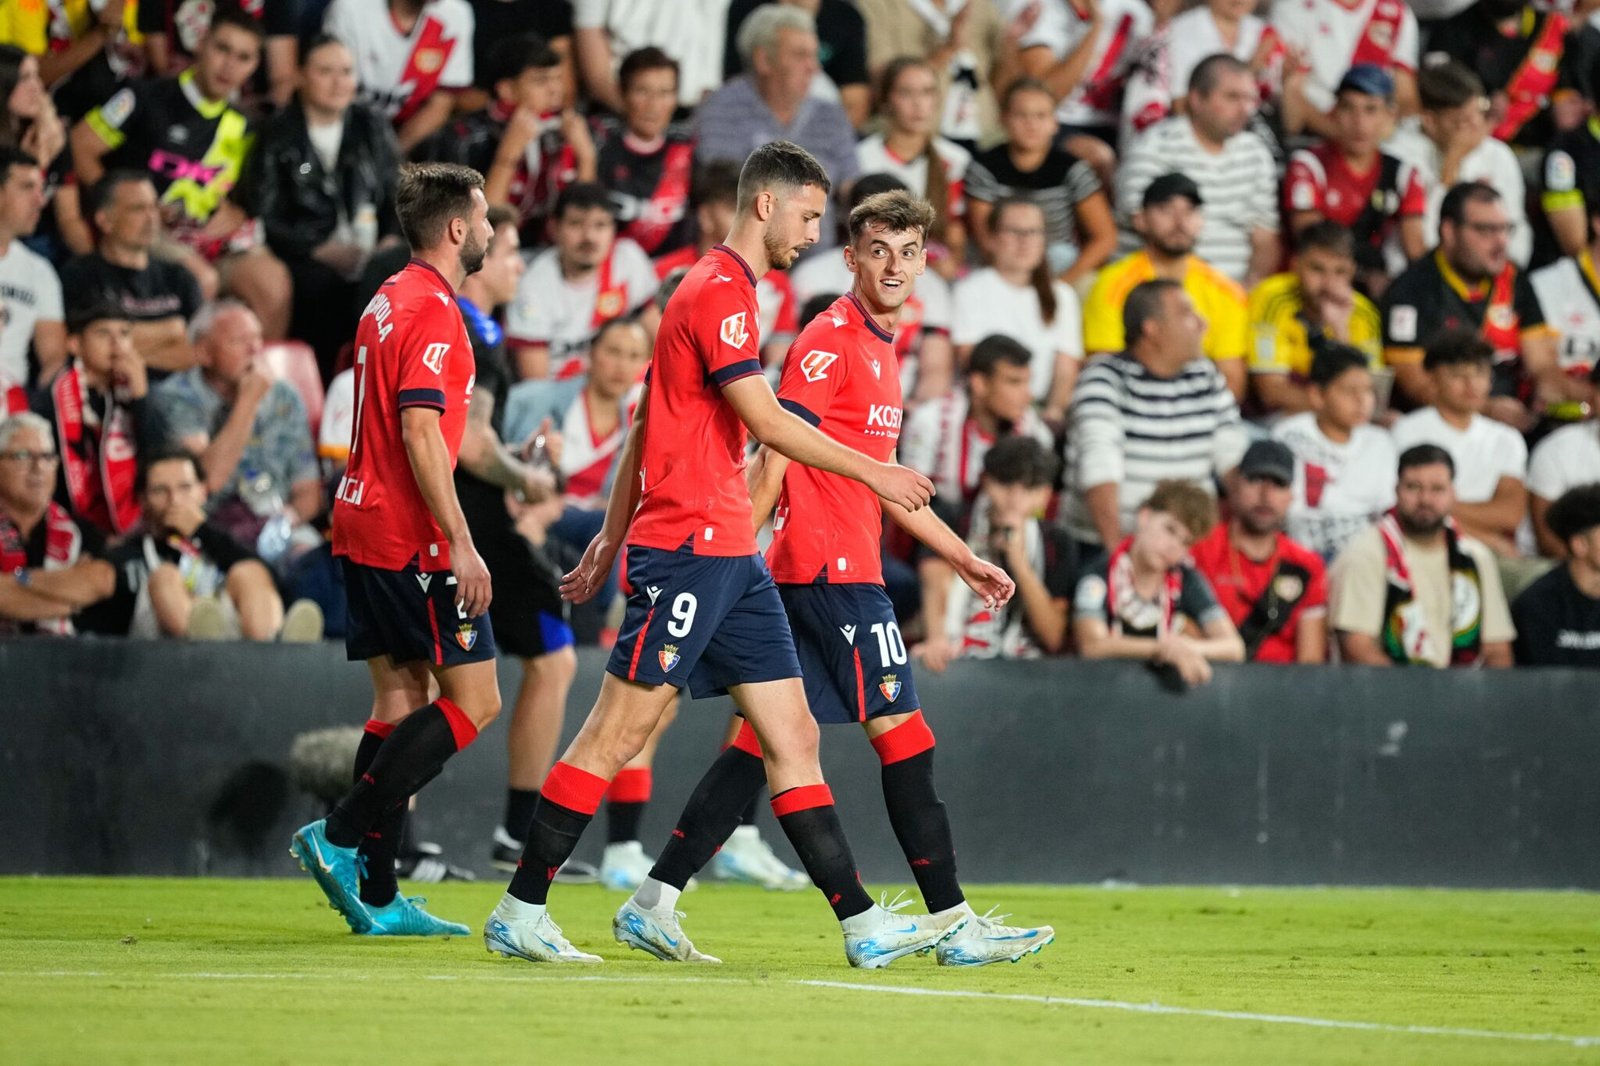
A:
(1335, 360)
(12, 156)
(995, 349)
(1327, 236)
(429, 196)
(1186, 501)
(1453, 208)
(100, 308)
(1425, 455)
(105, 190)
(509, 58)
(716, 182)
(1210, 71)
(779, 164)
(1575, 513)
(584, 196)
(1457, 347)
(1146, 303)
(170, 453)
(640, 60)
(896, 212)
(231, 14)
(871, 185)
(1446, 85)
(1020, 460)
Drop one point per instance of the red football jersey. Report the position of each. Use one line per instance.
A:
(842, 377)
(1240, 582)
(1318, 179)
(693, 462)
(412, 350)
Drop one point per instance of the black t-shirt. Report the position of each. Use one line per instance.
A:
(1557, 625)
(159, 291)
(651, 192)
(841, 40)
(185, 23)
(483, 503)
(211, 546)
(496, 20)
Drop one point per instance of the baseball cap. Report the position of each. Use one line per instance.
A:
(1268, 459)
(1168, 186)
(1368, 79)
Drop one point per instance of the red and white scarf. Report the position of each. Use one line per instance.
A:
(62, 545)
(101, 491)
(1125, 605)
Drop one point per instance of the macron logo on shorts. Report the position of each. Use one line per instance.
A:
(653, 591)
(424, 580)
(849, 633)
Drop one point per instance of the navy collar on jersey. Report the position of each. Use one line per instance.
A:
(429, 267)
(481, 322)
(751, 274)
(877, 330)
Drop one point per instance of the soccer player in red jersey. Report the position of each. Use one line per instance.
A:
(842, 377)
(703, 610)
(418, 591)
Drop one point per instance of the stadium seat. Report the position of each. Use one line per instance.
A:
(296, 364)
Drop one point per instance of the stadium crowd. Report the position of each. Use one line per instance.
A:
(1264, 333)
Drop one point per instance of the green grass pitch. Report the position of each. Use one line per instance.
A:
(239, 972)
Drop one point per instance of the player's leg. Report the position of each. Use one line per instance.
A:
(745, 856)
(255, 600)
(531, 739)
(624, 864)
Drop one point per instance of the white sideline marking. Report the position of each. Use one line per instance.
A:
(1227, 1015)
(898, 990)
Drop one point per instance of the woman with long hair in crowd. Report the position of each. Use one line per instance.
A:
(30, 121)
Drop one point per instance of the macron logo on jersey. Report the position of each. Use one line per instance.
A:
(733, 330)
(815, 365)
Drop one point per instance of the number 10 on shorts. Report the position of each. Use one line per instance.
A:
(891, 646)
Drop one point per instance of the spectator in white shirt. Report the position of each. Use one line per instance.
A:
(30, 294)
(1018, 297)
(690, 31)
(1344, 465)
(1565, 459)
(1490, 457)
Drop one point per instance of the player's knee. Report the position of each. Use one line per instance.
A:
(556, 668)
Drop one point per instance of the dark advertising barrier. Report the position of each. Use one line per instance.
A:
(170, 759)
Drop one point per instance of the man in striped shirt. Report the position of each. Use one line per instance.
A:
(1233, 167)
(1159, 411)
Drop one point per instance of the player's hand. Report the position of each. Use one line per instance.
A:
(473, 590)
(585, 580)
(128, 371)
(934, 654)
(254, 386)
(992, 584)
(185, 519)
(1181, 654)
(520, 131)
(902, 485)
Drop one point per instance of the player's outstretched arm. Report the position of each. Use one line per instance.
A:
(989, 581)
(765, 479)
(580, 585)
(789, 435)
(430, 465)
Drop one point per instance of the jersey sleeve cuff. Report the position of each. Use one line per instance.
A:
(422, 398)
(724, 376)
(800, 410)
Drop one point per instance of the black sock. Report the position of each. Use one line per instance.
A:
(519, 811)
(710, 815)
(381, 843)
(811, 823)
(622, 821)
(566, 806)
(752, 809)
(411, 756)
(923, 829)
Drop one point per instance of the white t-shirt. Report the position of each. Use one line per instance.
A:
(1565, 459)
(398, 73)
(690, 31)
(1339, 489)
(1572, 309)
(986, 303)
(1492, 162)
(30, 293)
(551, 310)
(874, 157)
(338, 417)
(1484, 452)
(1124, 24)
(1330, 35)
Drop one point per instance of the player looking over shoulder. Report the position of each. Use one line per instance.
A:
(842, 376)
(418, 591)
(703, 610)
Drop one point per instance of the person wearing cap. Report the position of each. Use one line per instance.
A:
(1169, 222)
(1469, 280)
(1558, 616)
(1349, 179)
(1274, 589)
(98, 407)
(1325, 38)
(1231, 165)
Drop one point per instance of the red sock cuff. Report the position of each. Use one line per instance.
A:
(803, 798)
(746, 740)
(575, 789)
(381, 730)
(630, 786)
(911, 737)
(461, 726)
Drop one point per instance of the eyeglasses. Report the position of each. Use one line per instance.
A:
(35, 458)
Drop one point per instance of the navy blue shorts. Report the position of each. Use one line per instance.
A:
(409, 615)
(701, 622)
(851, 653)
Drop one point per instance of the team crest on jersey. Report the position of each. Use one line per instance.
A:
(433, 357)
(428, 60)
(815, 365)
(733, 331)
(608, 304)
(890, 687)
(466, 636)
(1288, 586)
(668, 657)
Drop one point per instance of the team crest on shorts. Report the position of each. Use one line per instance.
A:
(466, 636)
(668, 656)
(890, 687)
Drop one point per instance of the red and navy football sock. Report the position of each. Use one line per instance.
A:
(382, 842)
(567, 804)
(713, 810)
(916, 813)
(409, 758)
(625, 803)
(812, 825)
(520, 803)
